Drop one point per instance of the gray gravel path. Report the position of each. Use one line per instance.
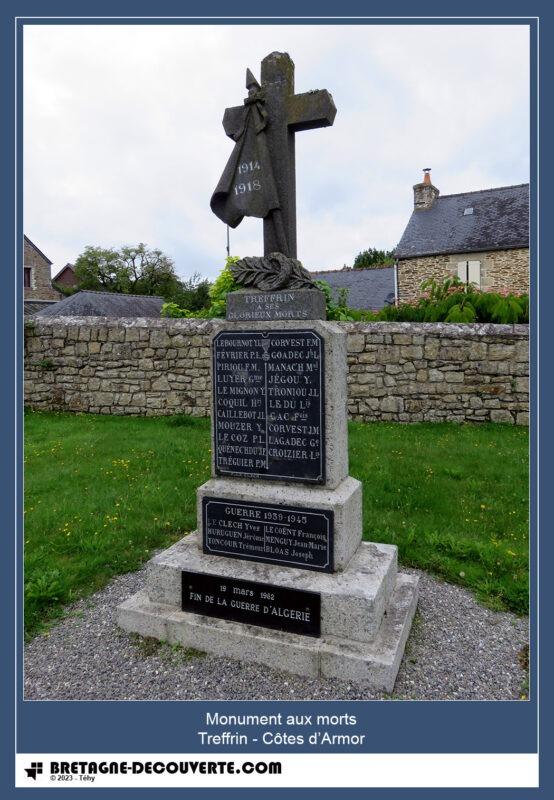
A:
(457, 650)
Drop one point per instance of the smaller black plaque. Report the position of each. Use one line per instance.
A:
(252, 603)
(274, 534)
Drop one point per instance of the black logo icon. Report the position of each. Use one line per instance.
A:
(34, 770)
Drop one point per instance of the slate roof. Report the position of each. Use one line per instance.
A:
(368, 289)
(33, 306)
(105, 304)
(500, 221)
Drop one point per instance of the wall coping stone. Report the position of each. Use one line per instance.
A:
(444, 329)
(203, 325)
(449, 329)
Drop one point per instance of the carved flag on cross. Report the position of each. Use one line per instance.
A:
(260, 177)
(247, 187)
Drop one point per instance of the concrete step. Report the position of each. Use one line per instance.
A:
(345, 501)
(369, 664)
(352, 602)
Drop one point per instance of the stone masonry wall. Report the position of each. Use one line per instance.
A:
(402, 372)
(500, 269)
(413, 372)
(118, 366)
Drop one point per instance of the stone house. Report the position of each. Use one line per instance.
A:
(66, 276)
(482, 237)
(37, 283)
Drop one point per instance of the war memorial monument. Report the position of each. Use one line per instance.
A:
(277, 572)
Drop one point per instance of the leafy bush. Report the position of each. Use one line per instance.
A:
(223, 284)
(441, 301)
(218, 291)
(174, 310)
(335, 311)
(66, 291)
(192, 293)
(453, 301)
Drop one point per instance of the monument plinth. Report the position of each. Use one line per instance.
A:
(277, 572)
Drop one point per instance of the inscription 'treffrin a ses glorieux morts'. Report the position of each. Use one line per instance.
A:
(269, 404)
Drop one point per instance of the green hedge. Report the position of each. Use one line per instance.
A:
(448, 301)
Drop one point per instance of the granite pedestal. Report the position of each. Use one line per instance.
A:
(277, 572)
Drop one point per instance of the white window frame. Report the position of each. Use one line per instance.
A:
(470, 272)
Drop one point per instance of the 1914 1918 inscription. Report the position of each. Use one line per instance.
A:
(253, 603)
(269, 404)
(297, 537)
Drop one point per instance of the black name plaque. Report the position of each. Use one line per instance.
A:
(253, 603)
(274, 534)
(269, 404)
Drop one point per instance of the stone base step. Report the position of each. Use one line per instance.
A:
(369, 664)
(345, 501)
(352, 602)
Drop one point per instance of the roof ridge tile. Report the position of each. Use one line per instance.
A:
(482, 191)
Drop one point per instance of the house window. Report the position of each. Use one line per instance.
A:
(470, 272)
(27, 277)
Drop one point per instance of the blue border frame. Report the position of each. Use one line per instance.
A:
(170, 726)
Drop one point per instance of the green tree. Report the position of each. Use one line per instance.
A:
(130, 270)
(372, 257)
(149, 271)
(193, 293)
(99, 268)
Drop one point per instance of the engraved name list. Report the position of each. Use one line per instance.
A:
(268, 393)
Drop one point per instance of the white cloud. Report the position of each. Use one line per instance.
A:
(124, 143)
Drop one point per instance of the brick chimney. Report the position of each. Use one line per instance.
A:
(425, 193)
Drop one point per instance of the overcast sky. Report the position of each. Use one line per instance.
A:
(123, 141)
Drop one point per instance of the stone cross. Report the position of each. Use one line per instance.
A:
(287, 113)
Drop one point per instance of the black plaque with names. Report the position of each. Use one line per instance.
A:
(252, 603)
(269, 404)
(274, 534)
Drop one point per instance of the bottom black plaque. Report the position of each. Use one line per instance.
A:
(292, 610)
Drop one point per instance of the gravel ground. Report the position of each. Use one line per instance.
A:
(457, 650)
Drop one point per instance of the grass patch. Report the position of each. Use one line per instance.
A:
(101, 493)
(148, 646)
(454, 498)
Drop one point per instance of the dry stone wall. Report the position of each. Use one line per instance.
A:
(118, 366)
(414, 372)
(401, 372)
